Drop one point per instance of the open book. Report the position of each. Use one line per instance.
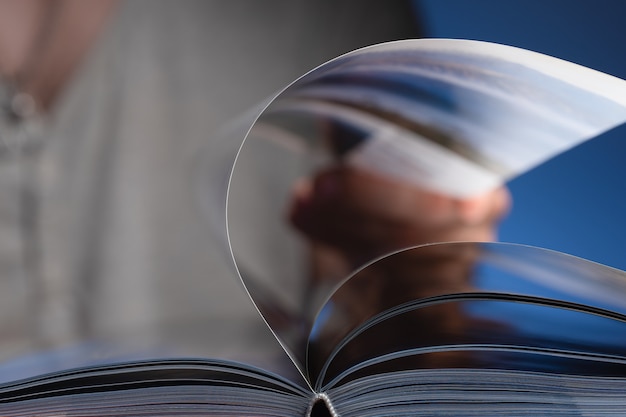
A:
(456, 328)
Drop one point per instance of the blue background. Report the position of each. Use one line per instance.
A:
(574, 203)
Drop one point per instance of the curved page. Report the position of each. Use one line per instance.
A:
(485, 393)
(426, 119)
(462, 299)
(156, 388)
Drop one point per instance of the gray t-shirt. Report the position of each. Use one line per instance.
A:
(105, 228)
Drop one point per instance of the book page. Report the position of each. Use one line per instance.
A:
(367, 154)
(479, 392)
(156, 388)
(447, 301)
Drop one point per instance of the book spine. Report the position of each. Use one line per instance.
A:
(321, 406)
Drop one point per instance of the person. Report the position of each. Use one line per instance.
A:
(106, 107)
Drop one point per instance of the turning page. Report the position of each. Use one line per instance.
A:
(408, 127)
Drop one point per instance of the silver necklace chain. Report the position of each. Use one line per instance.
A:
(21, 139)
(20, 122)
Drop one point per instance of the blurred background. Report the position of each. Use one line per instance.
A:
(575, 203)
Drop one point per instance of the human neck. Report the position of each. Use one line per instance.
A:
(42, 42)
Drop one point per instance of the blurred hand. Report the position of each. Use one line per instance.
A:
(364, 215)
